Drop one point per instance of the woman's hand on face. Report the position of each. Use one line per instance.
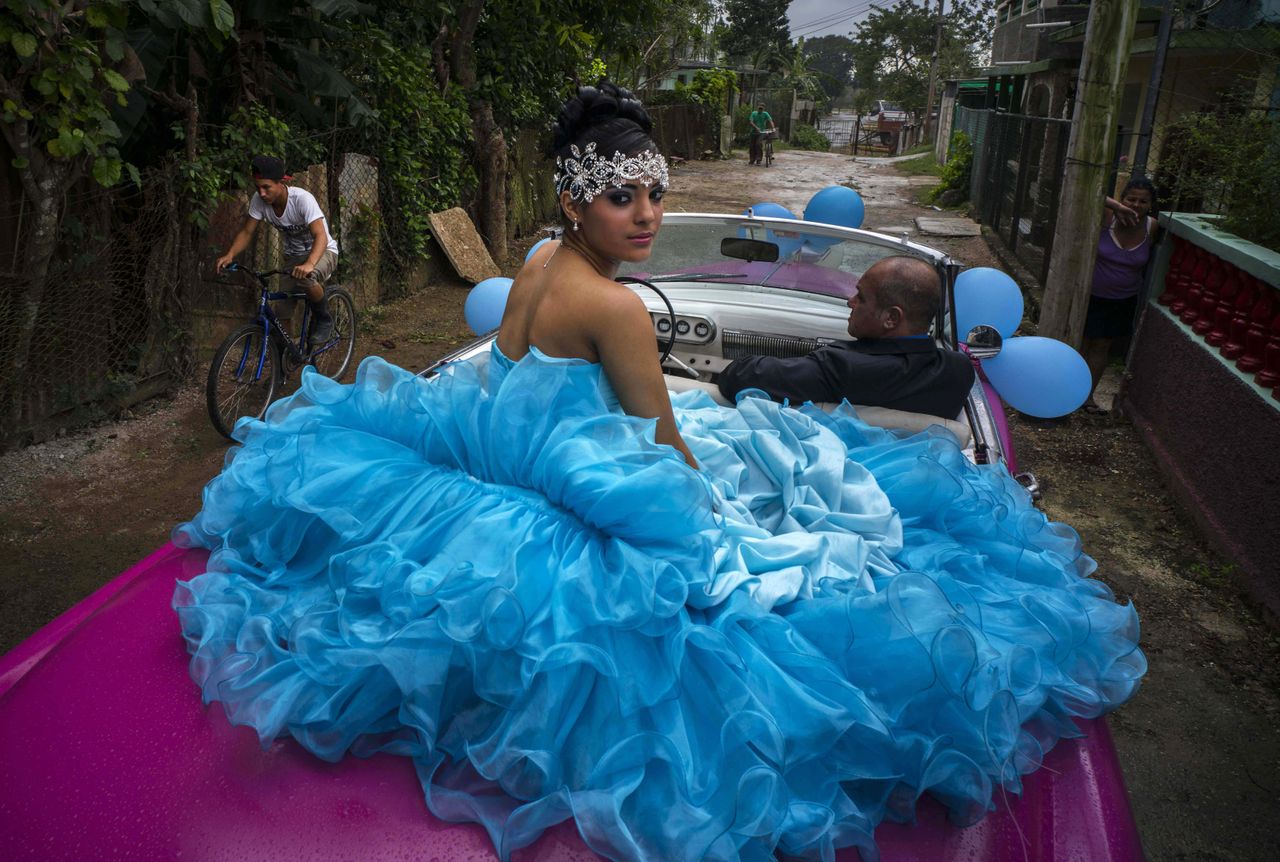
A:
(1126, 216)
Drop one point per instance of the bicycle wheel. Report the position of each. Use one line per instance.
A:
(768, 154)
(334, 356)
(243, 377)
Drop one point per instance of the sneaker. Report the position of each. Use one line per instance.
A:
(321, 330)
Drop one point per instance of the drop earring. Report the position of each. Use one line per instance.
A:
(575, 224)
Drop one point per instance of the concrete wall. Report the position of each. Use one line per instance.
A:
(1214, 432)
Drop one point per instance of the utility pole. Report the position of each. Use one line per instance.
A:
(1090, 152)
(933, 75)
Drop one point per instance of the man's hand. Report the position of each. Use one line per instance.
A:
(303, 271)
(222, 262)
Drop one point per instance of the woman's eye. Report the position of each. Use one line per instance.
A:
(657, 194)
(620, 199)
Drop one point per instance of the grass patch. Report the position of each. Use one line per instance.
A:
(918, 149)
(924, 165)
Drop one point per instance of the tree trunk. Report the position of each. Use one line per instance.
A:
(51, 187)
(490, 147)
(1089, 163)
(491, 159)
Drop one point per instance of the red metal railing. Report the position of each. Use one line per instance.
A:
(1229, 308)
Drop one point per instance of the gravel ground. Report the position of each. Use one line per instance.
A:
(1200, 744)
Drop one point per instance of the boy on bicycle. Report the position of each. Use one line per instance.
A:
(309, 249)
(759, 119)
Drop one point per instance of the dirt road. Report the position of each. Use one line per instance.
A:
(1200, 743)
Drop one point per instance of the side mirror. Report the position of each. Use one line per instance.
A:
(984, 341)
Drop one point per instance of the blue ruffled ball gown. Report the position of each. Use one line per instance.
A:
(497, 573)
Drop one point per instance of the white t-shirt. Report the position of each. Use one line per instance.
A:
(300, 210)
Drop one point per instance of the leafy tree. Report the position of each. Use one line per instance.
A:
(795, 72)
(644, 52)
(831, 59)
(757, 30)
(60, 79)
(893, 48)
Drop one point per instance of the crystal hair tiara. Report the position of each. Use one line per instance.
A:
(586, 173)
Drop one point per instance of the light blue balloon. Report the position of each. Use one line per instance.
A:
(838, 205)
(987, 296)
(787, 246)
(485, 303)
(1039, 376)
(537, 245)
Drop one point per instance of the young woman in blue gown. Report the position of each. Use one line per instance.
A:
(699, 632)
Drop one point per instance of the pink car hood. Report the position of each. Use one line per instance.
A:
(106, 752)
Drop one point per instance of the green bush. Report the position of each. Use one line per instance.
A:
(806, 137)
(958, 169)
(1225, 162)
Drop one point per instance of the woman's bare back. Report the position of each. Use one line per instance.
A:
(554, 305)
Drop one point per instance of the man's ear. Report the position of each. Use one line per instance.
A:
(892, 317)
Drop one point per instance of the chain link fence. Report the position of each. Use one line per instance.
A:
(132, 306)
(105, 324)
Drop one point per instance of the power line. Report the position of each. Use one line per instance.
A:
(850, 17)
(823, 19)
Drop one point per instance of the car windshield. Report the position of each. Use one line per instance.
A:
(807, 261)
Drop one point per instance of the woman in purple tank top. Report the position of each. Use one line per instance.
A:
(1124, 247)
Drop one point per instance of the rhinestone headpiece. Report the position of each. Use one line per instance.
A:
(586, 173)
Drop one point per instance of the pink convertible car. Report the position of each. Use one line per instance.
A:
(107, 753)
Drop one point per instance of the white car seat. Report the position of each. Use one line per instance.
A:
(881, 417)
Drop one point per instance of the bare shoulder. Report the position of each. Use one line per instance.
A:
(616, 304)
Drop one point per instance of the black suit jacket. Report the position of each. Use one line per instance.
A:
(903, 373)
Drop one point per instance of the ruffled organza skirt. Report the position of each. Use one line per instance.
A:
(499, 575)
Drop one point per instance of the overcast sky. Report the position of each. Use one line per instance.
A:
(811, 18)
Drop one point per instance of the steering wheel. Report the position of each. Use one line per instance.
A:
(671, 312)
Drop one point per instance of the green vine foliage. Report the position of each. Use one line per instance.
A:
(223, 163)
(709, 87)
(422, 139)
(58, 65)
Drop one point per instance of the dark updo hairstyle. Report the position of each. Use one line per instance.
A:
(607, 115)
(1143, 184)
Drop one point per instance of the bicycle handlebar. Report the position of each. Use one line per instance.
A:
(260, 276)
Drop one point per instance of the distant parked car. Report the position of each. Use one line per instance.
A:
(888, 118)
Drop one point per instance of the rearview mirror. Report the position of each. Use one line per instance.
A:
(984, 341)
(749, 249)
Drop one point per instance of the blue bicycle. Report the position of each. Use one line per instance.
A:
(252, 363)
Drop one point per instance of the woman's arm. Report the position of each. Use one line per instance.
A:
(624, 339)
(1120, 212)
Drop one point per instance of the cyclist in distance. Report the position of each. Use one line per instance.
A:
(310, 250)
(761, 122)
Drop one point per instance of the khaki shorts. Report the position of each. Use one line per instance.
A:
(287, 309)
(324, 268)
